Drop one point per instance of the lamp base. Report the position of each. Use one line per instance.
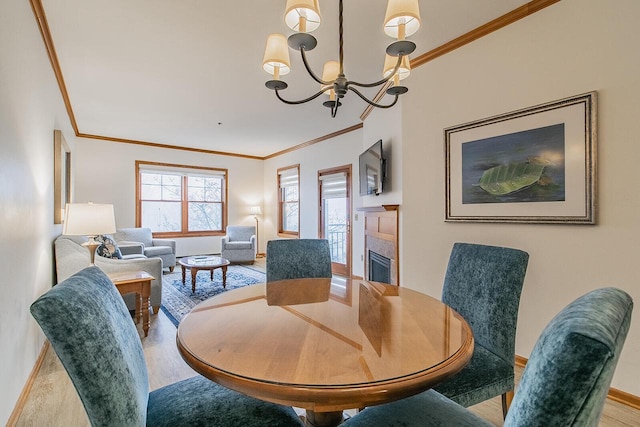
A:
(91, 246)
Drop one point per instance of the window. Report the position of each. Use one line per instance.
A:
(289, 200)
(175, 200)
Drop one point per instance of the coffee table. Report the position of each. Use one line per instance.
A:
(325, 346)
(197, 263)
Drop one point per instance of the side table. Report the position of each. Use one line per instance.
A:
(138, 282)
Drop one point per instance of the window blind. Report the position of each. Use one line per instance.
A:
(334, 186)
(288, 177)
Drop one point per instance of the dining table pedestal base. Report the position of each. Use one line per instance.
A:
(323, 419)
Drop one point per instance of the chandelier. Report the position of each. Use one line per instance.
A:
(402, 19)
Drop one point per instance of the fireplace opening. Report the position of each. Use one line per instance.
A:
(379, 268)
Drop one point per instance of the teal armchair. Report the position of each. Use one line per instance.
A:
(565, 382)
(92, 332)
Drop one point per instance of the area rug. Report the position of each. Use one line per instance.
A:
(178, 300)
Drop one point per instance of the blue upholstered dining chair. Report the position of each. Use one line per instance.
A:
(91, 330)
(565, 382)
(483, 284)
(298, 258)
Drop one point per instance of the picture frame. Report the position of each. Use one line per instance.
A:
(534, 165)
(61, 176)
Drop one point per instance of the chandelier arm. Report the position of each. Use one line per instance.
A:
(379, 82)
(302, 101)
(364, 98)
(306, 65)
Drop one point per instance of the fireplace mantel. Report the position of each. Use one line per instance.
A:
(381, 236)
(381, 208)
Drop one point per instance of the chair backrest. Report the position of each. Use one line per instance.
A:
(89, 327)
(567, 378)
(240, 233)
(298, 258)
(483, 284)
(135, 234)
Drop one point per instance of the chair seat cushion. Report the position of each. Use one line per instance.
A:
(423, 410)
(198, 401)
(238, 245)
(151, 251)
(485, 377)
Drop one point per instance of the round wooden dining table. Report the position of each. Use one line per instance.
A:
(325, 345)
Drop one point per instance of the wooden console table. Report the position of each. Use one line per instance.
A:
(138, 282)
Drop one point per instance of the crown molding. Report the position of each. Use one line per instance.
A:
(316, 140)
(43, 26)
(166, 146)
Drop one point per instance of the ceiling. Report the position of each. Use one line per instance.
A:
(189, 73)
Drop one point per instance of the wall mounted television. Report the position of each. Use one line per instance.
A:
(372, 170)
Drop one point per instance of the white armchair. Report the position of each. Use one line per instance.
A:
(165, 249)
(239, 245)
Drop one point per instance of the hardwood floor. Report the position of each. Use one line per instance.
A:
(53, 400)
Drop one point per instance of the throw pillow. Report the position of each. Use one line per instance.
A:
(108, 247)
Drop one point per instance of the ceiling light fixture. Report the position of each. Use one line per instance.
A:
(402, 19)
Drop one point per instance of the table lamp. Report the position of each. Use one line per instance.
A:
(255, 211)
(91, 220)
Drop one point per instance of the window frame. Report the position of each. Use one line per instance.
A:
(184, 172)
(281, 203)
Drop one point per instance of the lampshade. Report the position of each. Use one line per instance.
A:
(402, 18)
(89, 219)
(302, 15)
(276, 56)
(255, 210)
(390, 63)
(329, 73)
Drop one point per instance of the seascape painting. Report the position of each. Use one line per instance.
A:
(526, 166)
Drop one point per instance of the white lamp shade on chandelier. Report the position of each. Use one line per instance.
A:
(302, 16)
(89, 219)
(402, 18)
(276, 56)
(330, 72)
(390, 63)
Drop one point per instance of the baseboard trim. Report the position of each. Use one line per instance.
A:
(625, 398)
(614, 394)
(521, 361)
(22, 399)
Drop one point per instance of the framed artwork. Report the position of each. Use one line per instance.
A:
(61, 176)
(535, 165)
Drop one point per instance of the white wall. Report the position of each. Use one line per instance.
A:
(386, 125)
(105, 173)
(572, 47)
(30, 109)
(338, 151)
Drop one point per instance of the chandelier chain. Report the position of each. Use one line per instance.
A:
(341, 38)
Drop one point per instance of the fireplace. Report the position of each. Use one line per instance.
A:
(381, 238)
(379, 268)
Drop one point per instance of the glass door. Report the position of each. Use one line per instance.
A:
(335, 216)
